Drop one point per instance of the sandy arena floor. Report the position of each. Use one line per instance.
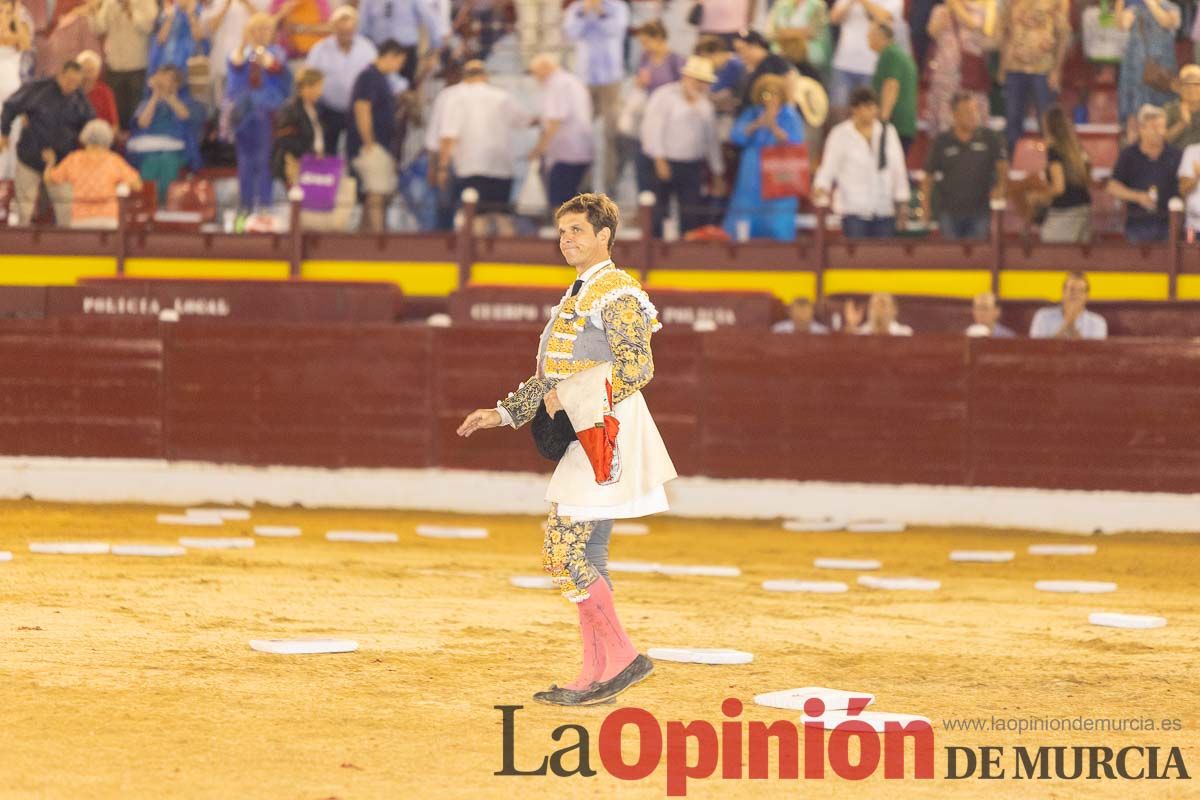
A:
(132, 677)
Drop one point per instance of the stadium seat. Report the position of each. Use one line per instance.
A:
(1029, 157)
(142, 205)
(1102, 106)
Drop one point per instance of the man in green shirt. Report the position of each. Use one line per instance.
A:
(895, 83)
(1183, 115)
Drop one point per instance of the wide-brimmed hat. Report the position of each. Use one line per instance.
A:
(810, 96)
(699, 68)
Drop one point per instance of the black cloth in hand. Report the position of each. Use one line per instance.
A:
(552, 435)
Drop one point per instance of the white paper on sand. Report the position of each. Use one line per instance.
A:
(875, 720)
(5, 555)
(702, 570)
(814, 525)
(299, 647)
(69, 548)
(231, 514)
(217, 542)
(700, 655)
(818, 587)
(982, 556)
(899, 584)
(641, 567)
(1080, 587)
(277, 531)
(875, 526)
(1111, 619)
(195, 520)
(533, 582)
(630, 529)
(1062, 549)
(151, 550)
(834, 699)
(847, 563)
(447, 532)
(368, 537)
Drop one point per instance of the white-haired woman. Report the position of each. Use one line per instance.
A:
(93, 174)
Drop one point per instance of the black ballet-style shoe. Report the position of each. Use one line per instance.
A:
(558, 696)
(637, 671)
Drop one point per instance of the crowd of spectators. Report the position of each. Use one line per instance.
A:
(325, 94)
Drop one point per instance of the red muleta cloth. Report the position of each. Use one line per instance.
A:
(600, 444)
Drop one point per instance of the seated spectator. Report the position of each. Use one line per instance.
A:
(97, 91)
(1183, 114)
(166, 131)
(659, 65)
(340, 57)
(1068, 172)
(799, 31)
(1146, 177)
(565, 146)
(771, 120)
(881, 317)
(854, 60)
(298, 129)
(302, 23)
(373, 131)
(1035, 36)
(986, 312)
(755, 52)
(125, 26)
(969, 167)
(178, 33)
(866, 162)
(679, 135)
(729, 69)
(93, 173)
(258, 83)
(1152, 25)
(800, 319)
(1071, 319)
(895, 83)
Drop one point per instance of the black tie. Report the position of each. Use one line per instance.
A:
(575, 287)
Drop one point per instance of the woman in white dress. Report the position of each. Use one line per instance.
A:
(16, 33)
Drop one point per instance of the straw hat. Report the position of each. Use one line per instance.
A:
(699, 68)
(1189, 74)
(810, 96)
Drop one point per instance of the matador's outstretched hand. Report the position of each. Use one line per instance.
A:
(478, 419)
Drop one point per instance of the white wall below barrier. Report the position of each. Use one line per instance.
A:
(85, 480)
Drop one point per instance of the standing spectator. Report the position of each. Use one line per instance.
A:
(658, 66)
(1071, 319)
(597, 28)
(125, 26)
(55, 111)
(258, 84)
(770, 121)
(800, 319)
(1183, 114)
(93, 173)
(754, 51)
(224, 24)
(957, 30)
(854, 60)
(730, 70)
(799, 31)
(565, 146)
(477, 138)
(986, 312)
(1146, 178)
(166, 131)
(368, 143)
(68, 32)
(679, 135)
(1151, 25)
(16, 37)
(725, 18)
(177, 36)
(895, 83)
(97, 91)
(1069, 218)
(866, 162)
(882, 313)
(969, 166)
(341, 58)
(298, 129)
(1189, 185)
(1035, 36)
(402, 21)
(446, 204)
(302, 23)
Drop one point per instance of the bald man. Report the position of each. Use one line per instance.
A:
(340, 57)
(566, 147)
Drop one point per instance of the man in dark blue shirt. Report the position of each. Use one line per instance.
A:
(55, 111)
(369, 142)
(1146, 178)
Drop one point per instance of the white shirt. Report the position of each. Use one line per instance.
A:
(1187, 169)
(437, 114)
(566, 99)
(894, 329)
(481, 118)
(1048, 321)
(678, 130)
(853, 54)
(863, 189)
(340, 68)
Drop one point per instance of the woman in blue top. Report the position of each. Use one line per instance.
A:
(178, 35)
(166, 131)
(772, 120)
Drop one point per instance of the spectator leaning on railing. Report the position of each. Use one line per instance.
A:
(968, 166)
(93, 173)
(1071, 319)
(1146, 177)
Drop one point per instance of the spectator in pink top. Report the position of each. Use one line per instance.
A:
(725, 18)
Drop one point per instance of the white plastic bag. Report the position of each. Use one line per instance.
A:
(532, 200)
(629, 119)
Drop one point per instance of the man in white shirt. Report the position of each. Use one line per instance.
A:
(446, 203)
(566, 146)
(476, 139)
(340, 57)
(1189, 184)
(866, 161)
(854, 60)
(1071, 319)
(679, 134)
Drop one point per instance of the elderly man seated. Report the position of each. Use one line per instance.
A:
(93, 174)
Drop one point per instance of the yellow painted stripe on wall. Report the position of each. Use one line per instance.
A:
(1188, 287)
(25, 270)
(786, 285)
(1039, 285)
(499, 274)
(417, 278)
(932, 282)
(223, 269)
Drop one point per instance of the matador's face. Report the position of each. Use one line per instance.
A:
(579, 243)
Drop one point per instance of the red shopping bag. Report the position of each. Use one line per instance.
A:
(785, 171)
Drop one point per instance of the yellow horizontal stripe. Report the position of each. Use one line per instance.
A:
(786, 285)
(932, 282)
(1188, 287)
(225, 269)
(417, 278)
(23, 270)
(1038, 285)
(497, 274)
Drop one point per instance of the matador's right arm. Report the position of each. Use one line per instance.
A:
(521, 406)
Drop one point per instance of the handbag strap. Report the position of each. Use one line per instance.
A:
(881, 164)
